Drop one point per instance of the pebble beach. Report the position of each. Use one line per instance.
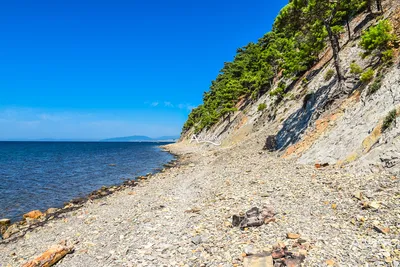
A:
(182, 216)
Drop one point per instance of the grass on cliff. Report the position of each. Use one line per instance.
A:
(389, 119)
(262, 107)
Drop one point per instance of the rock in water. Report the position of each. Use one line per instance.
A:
(35, 214)
(51, 210)
(5, 222)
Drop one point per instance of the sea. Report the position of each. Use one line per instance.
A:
(41, 175)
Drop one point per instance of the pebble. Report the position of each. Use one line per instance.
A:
(182, 216)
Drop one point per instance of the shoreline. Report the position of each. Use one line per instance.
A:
(24, 225)
(183, 216)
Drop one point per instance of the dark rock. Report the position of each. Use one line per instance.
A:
(321, 165)
(270, 143)
(236, 220)
(253, 217)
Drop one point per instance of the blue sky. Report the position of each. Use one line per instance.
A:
(96, 69)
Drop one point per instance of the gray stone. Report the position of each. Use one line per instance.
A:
(197, 240)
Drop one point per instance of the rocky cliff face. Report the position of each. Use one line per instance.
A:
(324, 121)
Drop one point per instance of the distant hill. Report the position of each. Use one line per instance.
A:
(141, 138)
(129, 138)
(171, 137)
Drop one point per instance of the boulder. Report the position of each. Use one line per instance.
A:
(270, 143)
(35, 214)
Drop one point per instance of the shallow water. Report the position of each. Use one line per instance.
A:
(40, 175)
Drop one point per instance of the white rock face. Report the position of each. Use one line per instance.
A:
(357, 124)
(342, 142)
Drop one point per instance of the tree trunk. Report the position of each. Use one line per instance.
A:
(348, 28)
(335, 50)
(379, 5)
(369, 6)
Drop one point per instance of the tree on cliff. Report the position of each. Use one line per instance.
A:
(300, 33)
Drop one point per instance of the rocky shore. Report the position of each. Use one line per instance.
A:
(286, 214)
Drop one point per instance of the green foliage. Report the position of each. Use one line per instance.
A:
(279, 91)
(355, 68)
(367, 75)
(376, 85)
(389, 119)
(262, 106)
(387, 56)
(378, 37)
(292, 47)
(329, 74)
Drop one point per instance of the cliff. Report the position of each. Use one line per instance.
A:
(321, 119)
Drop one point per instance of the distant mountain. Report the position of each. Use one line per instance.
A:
(141, 138)
(128, 138)
(171, 137)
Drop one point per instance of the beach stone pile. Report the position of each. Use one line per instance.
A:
(184, 216)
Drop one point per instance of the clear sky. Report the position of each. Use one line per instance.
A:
(85, 69)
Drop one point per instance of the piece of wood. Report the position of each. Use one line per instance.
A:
(50, 257)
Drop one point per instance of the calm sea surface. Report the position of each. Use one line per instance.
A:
(40, 175)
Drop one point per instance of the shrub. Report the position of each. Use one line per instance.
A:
(387, 56)
(262, 106)
(355, 68)
(279, 91)
(329, 74)
(374, 87)
(389, 119)
(367, 75)
(377, 37)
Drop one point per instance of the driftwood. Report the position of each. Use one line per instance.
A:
(50, 257)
